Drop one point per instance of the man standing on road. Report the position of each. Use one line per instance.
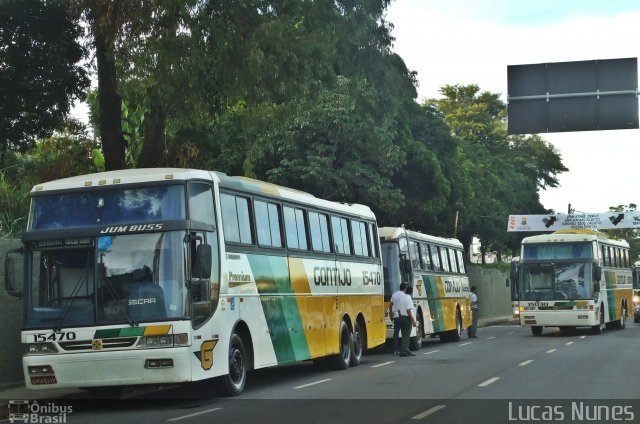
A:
(394, 314)
(474, 314)
(407, 319)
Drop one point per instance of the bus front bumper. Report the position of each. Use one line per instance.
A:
(558, 318)
(98, 369)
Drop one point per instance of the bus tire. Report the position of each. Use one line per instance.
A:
(233, 383)
(357, 346)
(415, 343)
(342, 360)
(536, 330)
(621, 324)
(456, 335)
(597, 329)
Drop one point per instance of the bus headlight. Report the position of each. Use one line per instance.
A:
(167, 340)
(40, 348)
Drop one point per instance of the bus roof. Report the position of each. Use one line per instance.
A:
(568, 236)
(393, 233)
(243, 184)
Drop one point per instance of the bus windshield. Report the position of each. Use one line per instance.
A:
(88, 209)
(560, 281)
(118, 279)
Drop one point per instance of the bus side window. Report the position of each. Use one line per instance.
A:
(294, 224)
(359, 235)
(319, 227)
(452, 261)
(426, 257)
(443, 257)
(340, 232)
(415, 255)
(235, 219)
(435, 258)
(461, 261)
(373, 240)
(267, 224)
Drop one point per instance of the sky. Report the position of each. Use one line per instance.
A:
(473, 42)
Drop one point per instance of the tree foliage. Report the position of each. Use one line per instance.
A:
(40, 74)
(499, 174)
(303, 93)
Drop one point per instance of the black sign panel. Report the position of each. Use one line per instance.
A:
(573, 96)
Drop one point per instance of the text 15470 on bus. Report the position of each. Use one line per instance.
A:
(158, 276)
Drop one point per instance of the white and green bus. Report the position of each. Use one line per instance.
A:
(574, 278)
(159, 276)
(435, 268)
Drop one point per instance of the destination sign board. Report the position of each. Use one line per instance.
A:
(593, 221)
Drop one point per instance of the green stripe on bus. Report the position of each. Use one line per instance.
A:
(280, 307)
(109, 333)
(431, 290)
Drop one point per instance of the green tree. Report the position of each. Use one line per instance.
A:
(631, 235)
(40, 74)
(498, 174)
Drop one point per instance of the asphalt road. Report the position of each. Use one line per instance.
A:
(507, 375)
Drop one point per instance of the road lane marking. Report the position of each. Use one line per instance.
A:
(464, 344)
(492, 337)
(195, 414)
(312, 384)
(489, 381)
(382, 364)
(551, 351)
(430, 352)
(569, 343)
(525, 363)
(510, 332)
(428, 412)
(582, 337)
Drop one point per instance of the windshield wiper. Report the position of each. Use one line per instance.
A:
(113, 293)
(67, 308)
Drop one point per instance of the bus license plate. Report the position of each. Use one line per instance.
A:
(43, 379)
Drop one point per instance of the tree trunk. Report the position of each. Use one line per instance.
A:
(113, 143)
(153, 153)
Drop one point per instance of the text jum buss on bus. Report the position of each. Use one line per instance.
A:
(156, 276)
(573, 278)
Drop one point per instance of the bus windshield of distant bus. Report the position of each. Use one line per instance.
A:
(559, 281)
(556, 271)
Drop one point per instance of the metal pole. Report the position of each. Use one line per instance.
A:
(455, 226)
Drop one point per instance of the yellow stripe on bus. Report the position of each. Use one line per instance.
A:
(156, 330)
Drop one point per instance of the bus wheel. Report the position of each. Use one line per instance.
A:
(597, 329)
(357, 345)
(415, 343)
(232, 384)
(536, 330)
(456, 335)
(622, 323)
(342, 360)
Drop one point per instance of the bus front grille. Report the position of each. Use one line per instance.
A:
(115, 343)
